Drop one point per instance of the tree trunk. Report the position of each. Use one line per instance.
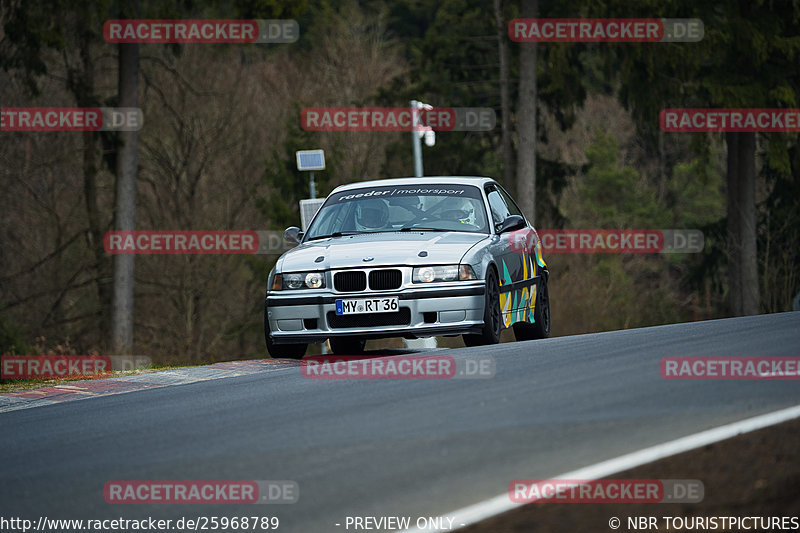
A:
(526, 121)
(81, 83)
(747, 224)
(125, 205)
(734, 256)
(743, 289)
(505, 104)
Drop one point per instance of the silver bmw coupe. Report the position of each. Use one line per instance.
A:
(408, 257)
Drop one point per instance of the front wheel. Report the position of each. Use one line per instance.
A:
(540, 329)
(282, 351)
(492, 315)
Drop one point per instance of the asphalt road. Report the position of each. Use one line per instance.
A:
(388, 447)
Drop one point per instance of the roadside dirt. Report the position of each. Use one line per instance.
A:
(756, 474)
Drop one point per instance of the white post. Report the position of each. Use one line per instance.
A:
(415, 138)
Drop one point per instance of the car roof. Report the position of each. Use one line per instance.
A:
(477, 181)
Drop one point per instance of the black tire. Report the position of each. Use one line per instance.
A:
(540, 329)
(282, 351)
(492, 315)
(347, 345)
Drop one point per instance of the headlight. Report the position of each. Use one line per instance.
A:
(315, 280)
(429, 274)
(298, 280)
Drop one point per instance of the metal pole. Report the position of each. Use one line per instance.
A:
(415, 140)
(312, 192)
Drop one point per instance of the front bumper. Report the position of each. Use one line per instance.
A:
(445, 309)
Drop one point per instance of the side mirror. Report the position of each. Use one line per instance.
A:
(512, 222)
(293, 235)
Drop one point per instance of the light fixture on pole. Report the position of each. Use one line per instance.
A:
(310, 160)
(418, 131)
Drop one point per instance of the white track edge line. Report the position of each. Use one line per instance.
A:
(502, 503)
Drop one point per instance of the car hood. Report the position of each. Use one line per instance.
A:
(384, 248)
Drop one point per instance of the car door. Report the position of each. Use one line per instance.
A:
(516, 265)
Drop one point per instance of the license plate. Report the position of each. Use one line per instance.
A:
(369, 305)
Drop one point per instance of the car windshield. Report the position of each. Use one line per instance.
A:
(432, 207)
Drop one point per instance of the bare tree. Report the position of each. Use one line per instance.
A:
(744, 294)
(125, 204)
(505, 104)
(526, 120)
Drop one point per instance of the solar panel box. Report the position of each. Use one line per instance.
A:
(310, 160)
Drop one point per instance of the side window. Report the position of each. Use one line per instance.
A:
(497, 205)
(512, 205)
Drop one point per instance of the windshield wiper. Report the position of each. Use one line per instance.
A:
(336, 234)
(421, 228)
